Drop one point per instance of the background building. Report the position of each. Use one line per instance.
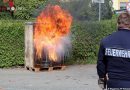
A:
(120, 4)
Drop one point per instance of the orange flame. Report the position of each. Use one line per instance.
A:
(52, 24)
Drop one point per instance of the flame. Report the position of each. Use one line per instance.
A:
(51, 25)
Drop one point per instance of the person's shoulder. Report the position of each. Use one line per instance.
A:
(109, 37)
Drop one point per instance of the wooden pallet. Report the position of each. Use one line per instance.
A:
(32, 69)
(46, 68)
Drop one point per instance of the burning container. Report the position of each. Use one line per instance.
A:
(47, 41)
(32, 62)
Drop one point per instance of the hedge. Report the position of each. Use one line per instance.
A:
(24, 8)
(86, 37)
(11, 43)
(85, 41)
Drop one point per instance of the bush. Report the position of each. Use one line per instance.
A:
(5, 15)
(26, 7)
(11, 43)
(86, 37)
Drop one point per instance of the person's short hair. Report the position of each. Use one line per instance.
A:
(124, 20)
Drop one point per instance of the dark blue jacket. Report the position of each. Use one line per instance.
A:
(114, 58)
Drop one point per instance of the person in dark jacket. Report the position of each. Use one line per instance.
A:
(114, 56)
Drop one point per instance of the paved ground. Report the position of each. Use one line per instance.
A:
(77, 77)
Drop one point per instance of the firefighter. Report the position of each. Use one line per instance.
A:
(114, 56)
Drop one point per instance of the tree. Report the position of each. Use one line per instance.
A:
(86, 10)
(106, 9)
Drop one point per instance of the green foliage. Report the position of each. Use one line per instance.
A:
(106, 9)
(26, 7)
(11, 43)
(5, 15)
(115, 16)
(2, 3)
(86, 10)
(80, 9)
(86, 37)
(39, 8)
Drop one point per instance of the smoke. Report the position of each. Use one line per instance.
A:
(66, 42)
(79, 9)
(63, 48)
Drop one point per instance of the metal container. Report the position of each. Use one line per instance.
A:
(31, 61)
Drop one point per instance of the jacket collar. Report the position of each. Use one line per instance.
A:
(122, 29)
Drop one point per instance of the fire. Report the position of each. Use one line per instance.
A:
(51, 26)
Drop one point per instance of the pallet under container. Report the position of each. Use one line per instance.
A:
(32, 63)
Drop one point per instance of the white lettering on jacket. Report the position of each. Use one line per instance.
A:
(117, 52)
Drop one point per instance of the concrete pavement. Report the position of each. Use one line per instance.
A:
(76, 77)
